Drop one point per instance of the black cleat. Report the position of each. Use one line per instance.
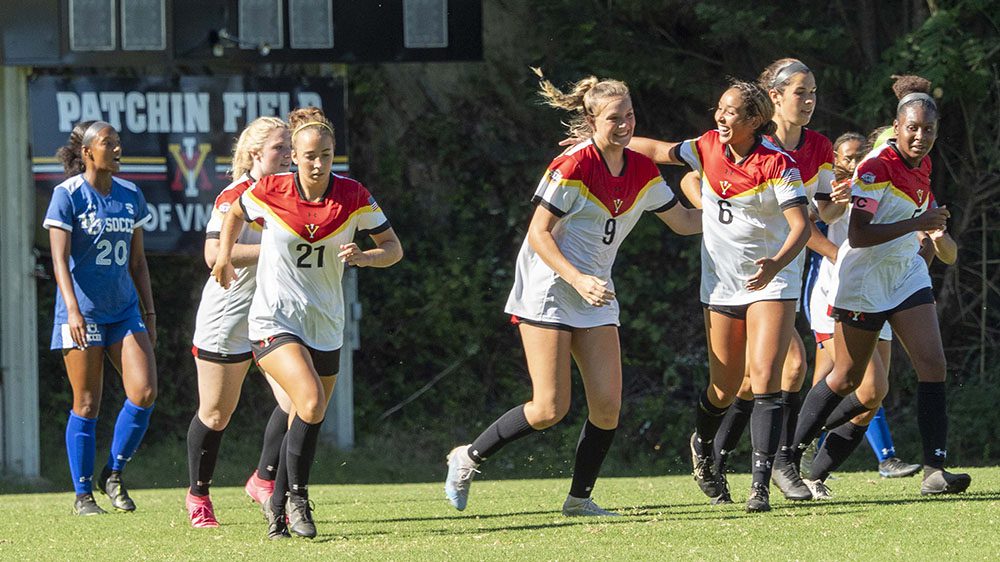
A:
(723, 497)
(787, 479)
(892, 467)
(300, 519)
(943, 482)
(277, 527)
(85, 506)
(760, 498)
(706, 478)
(112, 486)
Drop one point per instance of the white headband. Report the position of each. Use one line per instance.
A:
(916, 96)
(92, 130)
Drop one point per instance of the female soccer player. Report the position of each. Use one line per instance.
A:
(221, 342)
(880, 276)
(791, 86)
(563, 300)
(755, 224)
(297, 314)
(94, 222)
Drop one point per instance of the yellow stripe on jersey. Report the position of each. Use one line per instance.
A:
(694, 150)
(347, 221)
(872, 186)
(893, 190)
(825, 166)
(642, 192)
(267, 208)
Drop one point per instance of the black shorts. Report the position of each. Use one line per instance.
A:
(326, 363)
(873, 321)
(515, 320)
(736, 311)
(223, 358)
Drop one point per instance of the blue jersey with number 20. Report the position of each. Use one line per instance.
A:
(101, 230)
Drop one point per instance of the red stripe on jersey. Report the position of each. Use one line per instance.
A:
(813, 151)
(311, 220)
(617, 194)
(890, 167)
(231, 193)
(730, 179)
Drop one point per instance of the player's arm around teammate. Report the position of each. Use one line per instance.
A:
(95, 231)
(297, 315)
(221, 344)
(563, 300)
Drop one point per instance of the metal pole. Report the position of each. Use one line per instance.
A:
(982, 309)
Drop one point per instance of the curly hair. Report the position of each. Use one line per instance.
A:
(756, 103)
(71, 153)
(310, 117)
(586, 98)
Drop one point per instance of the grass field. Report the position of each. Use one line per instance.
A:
(665, 518)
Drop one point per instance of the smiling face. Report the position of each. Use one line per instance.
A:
(797, 101)
(730, 116)
(847, 155)
(104, 152)
(312, 152)
(916, 131)
(614, 124)
(275, 156)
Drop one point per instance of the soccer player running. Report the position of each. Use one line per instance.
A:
(881, 276)
(791, 86)
(311, 218)
(221, 340)
(755, 225)
(94, 221)
(563, 301)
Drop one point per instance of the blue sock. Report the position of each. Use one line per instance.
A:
(129, 430)
(80, 448)
(879, 437)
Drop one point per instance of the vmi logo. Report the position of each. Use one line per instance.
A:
(312, 230)
(618, 204)
(725, 185)
(190, 174)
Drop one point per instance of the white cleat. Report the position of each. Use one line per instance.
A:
(461, 469)
(585, 507)
(819, 489)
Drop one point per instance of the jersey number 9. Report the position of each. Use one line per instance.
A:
(609, 231)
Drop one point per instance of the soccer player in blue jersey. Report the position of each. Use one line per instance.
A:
(94, 221)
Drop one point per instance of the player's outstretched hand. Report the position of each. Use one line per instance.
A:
(351, 254)
(593, 290)
(767, 269)
(840, 192)
(224, 273)
(933, 219)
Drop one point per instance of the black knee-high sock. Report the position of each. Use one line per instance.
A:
(707, 419)
(728, 436)
(590, 452)
(203, 450)
(508, 427)
(845, 412)
(270, 449)
(932, 419)
(281, 478)
(840, 442)
(817, 406)
(791, 403)
(765, 433)
(300, 452)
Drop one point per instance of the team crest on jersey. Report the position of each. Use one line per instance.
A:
(555, 176)
(920, 196)
(618, 204)
(224, 208)
(868, 177)
(89, 222)
(312, 230)
(725, 185)
(129, 208)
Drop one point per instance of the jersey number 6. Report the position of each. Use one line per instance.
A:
(307, 250)
(725, 215)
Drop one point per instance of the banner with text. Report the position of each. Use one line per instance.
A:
(177, 137)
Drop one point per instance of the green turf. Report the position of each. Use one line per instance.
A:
(665, 518)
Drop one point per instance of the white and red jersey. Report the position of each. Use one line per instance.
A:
(596, 212)
(221, 323)
(299, 289)
(814, 158)
(742, 218)
(879, 278)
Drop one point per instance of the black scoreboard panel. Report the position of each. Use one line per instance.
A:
(68, 33)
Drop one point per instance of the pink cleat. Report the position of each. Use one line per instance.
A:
(201, 512)
(258, 489)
